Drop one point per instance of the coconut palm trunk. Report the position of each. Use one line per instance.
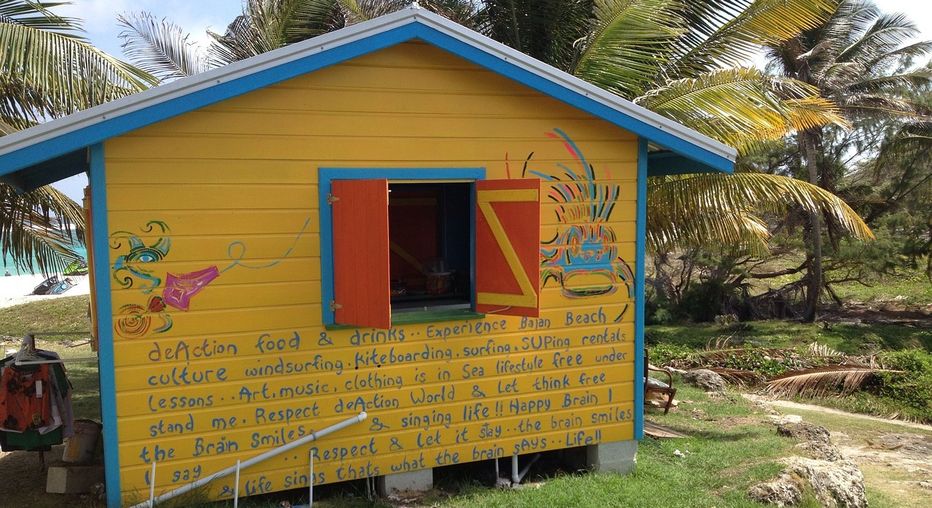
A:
(814, 286)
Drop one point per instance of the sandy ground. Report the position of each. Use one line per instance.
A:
(16, 289)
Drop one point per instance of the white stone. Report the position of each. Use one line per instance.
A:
(615, 457)
(413, 481)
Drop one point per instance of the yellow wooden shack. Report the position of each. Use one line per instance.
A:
(402, 217)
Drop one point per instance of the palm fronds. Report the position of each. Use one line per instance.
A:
(270, 24)
(742, 107)
(49, 70)
(740, 377)
(822, 351)
(160, 47)
(628, 42)
(856, 59)
(821, 381)
(728, 32)
(702, 209)
(37, 227)
(544, 29)
(721, 342)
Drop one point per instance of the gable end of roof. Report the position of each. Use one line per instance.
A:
(63, 137)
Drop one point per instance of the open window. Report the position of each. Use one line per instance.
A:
(429, 235)
(409, 250)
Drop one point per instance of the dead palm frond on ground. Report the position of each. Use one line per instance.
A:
(739, 377)
(838, 380)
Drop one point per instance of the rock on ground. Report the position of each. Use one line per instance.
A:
(705, 379)
(816, 439)
(784, 491)
(836, 484)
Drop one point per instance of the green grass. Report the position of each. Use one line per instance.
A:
(83, 374)
(727, 452)
(847, 338)
(668, 342)
(67, 314)
(910, 287)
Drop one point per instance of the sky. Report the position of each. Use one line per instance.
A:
(198, 16)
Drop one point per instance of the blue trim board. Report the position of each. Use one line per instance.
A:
(98, 183)
(120, 124)
(46, 172)
(640, 258)
(324, 178)
(669, 163)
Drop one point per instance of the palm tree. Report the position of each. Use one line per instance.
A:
(165, 50)
(679, 58)
(48, 70)
(856, 58)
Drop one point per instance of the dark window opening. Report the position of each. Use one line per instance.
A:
(430, 246)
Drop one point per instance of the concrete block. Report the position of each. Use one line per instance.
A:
(413, 481)
(73, 479)
(614, 457)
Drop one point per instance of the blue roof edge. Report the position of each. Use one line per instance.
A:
(26, 149)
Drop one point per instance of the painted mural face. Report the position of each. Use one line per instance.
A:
(133, 269)
(583, 255)
(136, 269)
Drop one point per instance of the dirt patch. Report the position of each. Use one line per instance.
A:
(730, 422)
(24, 482)
(906, 452)
(889, 313)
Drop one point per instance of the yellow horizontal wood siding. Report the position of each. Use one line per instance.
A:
(248, 366)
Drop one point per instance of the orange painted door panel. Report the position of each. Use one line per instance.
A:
(508, 247)
(361, 282)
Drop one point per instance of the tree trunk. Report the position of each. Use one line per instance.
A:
(808, 144)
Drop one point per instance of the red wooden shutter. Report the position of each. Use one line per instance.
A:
(361, 286)
(508, 247)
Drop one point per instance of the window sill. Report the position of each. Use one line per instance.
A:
(422, 316)
(433, 316)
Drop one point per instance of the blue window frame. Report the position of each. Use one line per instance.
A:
(326, 175)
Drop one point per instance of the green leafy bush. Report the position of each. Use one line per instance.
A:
(913, 387)
(760, 361)
(664, 354)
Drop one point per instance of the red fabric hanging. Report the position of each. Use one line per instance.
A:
(25, 398)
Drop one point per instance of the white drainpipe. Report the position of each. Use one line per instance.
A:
(255, 460)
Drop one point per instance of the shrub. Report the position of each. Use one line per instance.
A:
(664, 354)
(913, 387)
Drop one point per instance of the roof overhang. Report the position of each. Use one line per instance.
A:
(53, 150)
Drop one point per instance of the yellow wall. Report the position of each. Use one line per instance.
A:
(245, 171)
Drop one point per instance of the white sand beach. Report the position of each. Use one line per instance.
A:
(17, 289)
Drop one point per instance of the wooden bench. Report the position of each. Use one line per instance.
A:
(652, 385)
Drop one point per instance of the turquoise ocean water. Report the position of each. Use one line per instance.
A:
(6, 263)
